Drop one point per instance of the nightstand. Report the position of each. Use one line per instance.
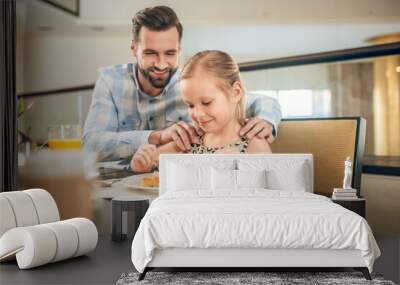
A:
(356, 205)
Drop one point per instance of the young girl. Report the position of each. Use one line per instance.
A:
(214, 94)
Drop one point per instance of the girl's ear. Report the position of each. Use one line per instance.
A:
(237, 91)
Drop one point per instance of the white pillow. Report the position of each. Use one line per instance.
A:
(223, 179)
(227, 179)
(183, 177)
(281, 174)
(251, 178)
(293, 177)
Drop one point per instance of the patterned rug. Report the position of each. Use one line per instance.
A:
(273, 278)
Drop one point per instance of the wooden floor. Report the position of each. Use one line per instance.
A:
(103, 266)
(110, 260)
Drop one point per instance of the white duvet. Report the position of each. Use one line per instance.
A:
(250, 219)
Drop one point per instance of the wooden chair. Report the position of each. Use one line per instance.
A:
(330, 140)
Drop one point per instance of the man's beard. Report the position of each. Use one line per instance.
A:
(157, 82)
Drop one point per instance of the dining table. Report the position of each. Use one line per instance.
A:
(119, 184)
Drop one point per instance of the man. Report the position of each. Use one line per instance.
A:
(140, 104)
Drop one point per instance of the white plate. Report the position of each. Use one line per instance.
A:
(135, 182)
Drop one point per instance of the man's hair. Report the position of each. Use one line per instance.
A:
(158, 18)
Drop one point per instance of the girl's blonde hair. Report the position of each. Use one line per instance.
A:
(224, 68)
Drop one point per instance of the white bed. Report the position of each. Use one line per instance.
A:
(231, 211)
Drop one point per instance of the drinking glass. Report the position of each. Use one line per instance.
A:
(64, 137)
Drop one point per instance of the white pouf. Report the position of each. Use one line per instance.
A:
(87, 233)
(7, 216)
(41, 244)
(46, 207)
(23, 208)
(31, 232)
(67, 239)
(33, 246)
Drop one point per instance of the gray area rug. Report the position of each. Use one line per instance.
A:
(225, 278)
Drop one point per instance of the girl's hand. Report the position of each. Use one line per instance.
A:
(145, 158)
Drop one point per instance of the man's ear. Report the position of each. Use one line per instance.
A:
(133, 47)
(180, 54)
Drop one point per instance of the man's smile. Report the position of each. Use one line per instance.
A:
(160, 72)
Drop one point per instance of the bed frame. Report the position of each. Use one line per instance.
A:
(295, 136)
(248, 259)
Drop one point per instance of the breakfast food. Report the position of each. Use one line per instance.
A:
(151, 181)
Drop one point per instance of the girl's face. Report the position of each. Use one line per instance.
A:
(209, 107)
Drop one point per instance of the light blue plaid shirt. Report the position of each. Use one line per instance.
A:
(121, 116)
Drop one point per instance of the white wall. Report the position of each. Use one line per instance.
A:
(72, 50)
(251, 11)
(65, 61)
(69, 108)
(299, 77)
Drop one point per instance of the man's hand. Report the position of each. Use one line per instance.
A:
(258, 127)
(145, 158)
(183, 134)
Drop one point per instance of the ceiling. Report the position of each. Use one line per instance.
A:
(247, 29)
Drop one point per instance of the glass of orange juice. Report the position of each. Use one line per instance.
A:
(64, 137)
